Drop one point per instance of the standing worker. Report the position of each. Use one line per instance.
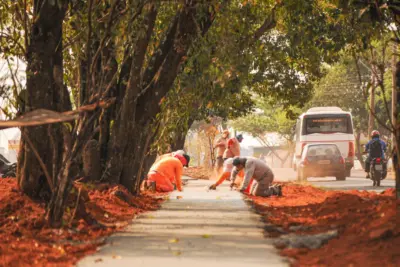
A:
(260, 172)
(233, 149)
(167, 172)
(221, 145)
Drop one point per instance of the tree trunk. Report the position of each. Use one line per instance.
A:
(109, 70)
(70, 170)
(45, 89)
(396, 122)
(179, 142)
(396, 167)
(359, 149)
(124, 127)
(141, 102)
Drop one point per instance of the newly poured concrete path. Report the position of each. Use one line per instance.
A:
(193, 228)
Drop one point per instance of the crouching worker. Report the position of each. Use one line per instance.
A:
(260, 172)
(226, 175)
(167, 173)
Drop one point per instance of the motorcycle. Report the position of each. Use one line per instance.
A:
(377, 171)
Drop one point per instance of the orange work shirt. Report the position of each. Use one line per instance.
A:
(233, 149)
(171, 168)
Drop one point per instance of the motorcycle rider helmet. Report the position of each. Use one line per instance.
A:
(375, 133)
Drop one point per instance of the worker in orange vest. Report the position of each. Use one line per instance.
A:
(220, 146)
(233, 148)
(167, 172)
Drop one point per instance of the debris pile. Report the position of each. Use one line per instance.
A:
(26, 240)
(333, 228)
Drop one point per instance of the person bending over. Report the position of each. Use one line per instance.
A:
(260, 172)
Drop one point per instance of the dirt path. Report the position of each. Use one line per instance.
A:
(193, 228)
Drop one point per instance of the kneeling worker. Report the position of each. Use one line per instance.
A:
(226, 174)
(167, 172)
(260, 172)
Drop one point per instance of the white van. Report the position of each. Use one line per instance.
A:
(326, 125)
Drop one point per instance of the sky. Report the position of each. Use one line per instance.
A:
(5, 79)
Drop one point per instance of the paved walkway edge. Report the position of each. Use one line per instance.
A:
(193, 228)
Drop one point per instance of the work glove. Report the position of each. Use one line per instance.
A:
(213, 187)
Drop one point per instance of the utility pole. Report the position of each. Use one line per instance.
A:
(395, 112)
(394, 92)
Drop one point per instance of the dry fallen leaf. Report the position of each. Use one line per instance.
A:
(61, 249)
(176, 253)
(98, 260)
(117, 257)
(174, 240)
(206, 236)
(179, 197)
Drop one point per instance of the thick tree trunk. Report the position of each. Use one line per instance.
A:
(124, 130)
(141, 104)
(45, 89)
(359, 150)
(180, 140)
(70, 170)
(109, 71)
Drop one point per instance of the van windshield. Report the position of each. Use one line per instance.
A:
(327, 124)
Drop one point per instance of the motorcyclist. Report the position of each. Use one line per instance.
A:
(375, 148)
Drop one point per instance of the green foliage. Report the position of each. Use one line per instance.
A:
(269, 117)
(227, 67)
(341, 87)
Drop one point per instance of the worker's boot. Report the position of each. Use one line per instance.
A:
(279, 189)
(145, 185)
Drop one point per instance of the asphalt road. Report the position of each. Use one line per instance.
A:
(357, 181)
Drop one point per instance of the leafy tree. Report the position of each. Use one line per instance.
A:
(162, 64)
(269, 117)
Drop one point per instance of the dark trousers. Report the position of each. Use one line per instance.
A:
(220, 163)
(263, 187)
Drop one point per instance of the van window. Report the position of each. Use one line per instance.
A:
(327, 124)
(323, 150)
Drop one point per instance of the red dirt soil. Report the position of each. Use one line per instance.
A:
(368, 224)
(198, 173)
(25, 240)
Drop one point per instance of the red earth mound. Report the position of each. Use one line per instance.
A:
(368, 224)
(25, 240)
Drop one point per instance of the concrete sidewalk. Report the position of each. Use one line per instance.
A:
(193, 228)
